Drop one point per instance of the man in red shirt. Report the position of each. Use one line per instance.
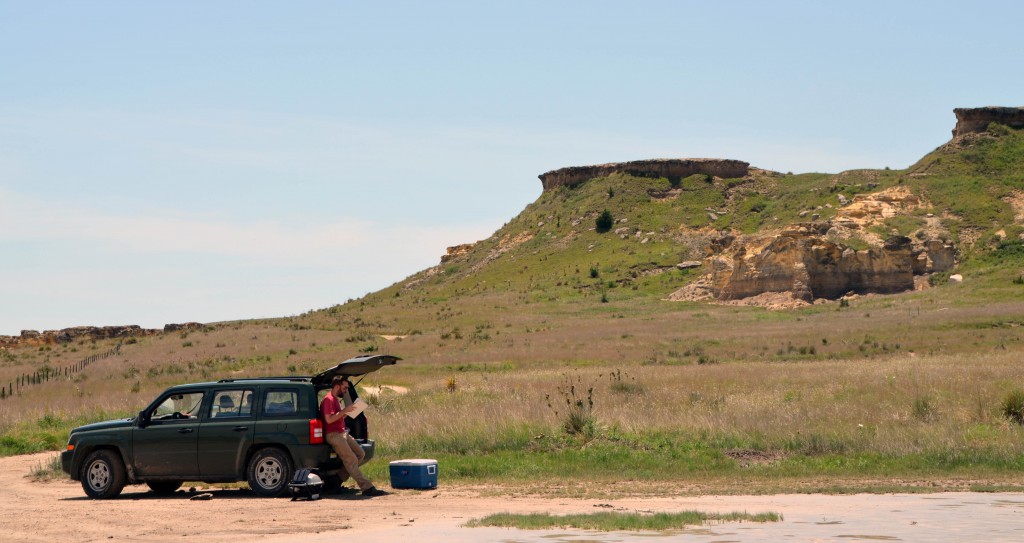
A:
(348, 450)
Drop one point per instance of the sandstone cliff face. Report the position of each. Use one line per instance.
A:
(801, 261)
(671, 168)
(976, 119)
(810, 261)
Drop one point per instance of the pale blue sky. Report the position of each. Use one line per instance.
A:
(177, 161)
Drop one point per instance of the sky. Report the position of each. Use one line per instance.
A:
(173, 161)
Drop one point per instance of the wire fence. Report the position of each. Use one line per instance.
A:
(46, 374)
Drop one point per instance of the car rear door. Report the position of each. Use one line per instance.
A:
(226, 432)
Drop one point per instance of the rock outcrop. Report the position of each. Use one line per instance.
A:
(33, 338)
(457, 251)
(184, 327)
(808, 261)
(976, 119)
(866, 209)
(802, 261)
(671, 168)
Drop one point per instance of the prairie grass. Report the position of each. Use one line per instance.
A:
(48, 470)
(841, 414)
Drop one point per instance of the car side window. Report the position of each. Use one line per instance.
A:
(231, 403)
(182, 406)
(280, 403)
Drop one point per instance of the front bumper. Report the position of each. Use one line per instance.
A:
(67, 459)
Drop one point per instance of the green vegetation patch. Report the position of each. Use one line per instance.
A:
(613, 521)
(49, 470)
(47, 433)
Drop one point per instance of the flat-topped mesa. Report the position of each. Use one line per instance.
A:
(671, 168)
(976, 119)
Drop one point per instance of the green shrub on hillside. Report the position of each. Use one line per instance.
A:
(604, 221)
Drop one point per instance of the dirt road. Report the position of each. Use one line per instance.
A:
(59, 511)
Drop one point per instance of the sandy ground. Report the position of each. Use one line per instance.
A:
(59, 510)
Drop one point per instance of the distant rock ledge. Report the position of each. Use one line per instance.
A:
(671, 168)
(976, 119)
(33, 338)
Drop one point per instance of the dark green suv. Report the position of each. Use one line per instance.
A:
(256, 430)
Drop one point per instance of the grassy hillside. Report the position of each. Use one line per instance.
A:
(507, 346)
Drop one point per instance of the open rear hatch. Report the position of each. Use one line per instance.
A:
(354, 367)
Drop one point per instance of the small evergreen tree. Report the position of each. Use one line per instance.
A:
(605, 221)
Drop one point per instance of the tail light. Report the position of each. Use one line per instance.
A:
(316, 432)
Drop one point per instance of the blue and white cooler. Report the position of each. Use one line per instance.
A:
(414, 473)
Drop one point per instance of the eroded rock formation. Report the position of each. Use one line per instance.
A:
(184, 327)
(809, 261)
(801, 260)
(976, 119)
(671, 168)
(32, 338)
(457, 251)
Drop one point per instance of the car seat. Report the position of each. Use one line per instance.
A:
(226, 407)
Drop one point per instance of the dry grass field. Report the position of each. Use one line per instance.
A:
(889, 391)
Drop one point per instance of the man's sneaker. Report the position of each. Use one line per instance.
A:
(374, 491)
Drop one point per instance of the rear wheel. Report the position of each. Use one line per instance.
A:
(103, 474)
(164, 487)
(269, 472)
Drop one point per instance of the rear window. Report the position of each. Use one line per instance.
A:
(278, 403)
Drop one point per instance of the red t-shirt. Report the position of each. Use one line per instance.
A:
(329, 406)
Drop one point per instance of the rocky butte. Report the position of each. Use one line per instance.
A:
(976, 119)
(669, 168)
(811, 260)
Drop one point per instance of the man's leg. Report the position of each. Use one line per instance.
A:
(356, 449)
(348, 458)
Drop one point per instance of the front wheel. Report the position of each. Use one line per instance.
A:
(103, 474)
(269, 472)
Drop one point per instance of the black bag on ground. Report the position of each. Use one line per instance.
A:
(306, 484)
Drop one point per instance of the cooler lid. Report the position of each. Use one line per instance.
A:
(413, 462)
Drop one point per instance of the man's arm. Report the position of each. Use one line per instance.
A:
(332, 417)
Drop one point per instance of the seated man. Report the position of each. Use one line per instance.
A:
(343, 444)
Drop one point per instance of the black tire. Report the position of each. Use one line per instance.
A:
(164, 487)
(102, 474)
(270, 471)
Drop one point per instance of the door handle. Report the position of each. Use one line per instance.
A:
(185, 431)
(240, 428)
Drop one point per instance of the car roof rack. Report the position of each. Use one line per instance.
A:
(293, 378)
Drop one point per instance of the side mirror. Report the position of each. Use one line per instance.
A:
(142, 420)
